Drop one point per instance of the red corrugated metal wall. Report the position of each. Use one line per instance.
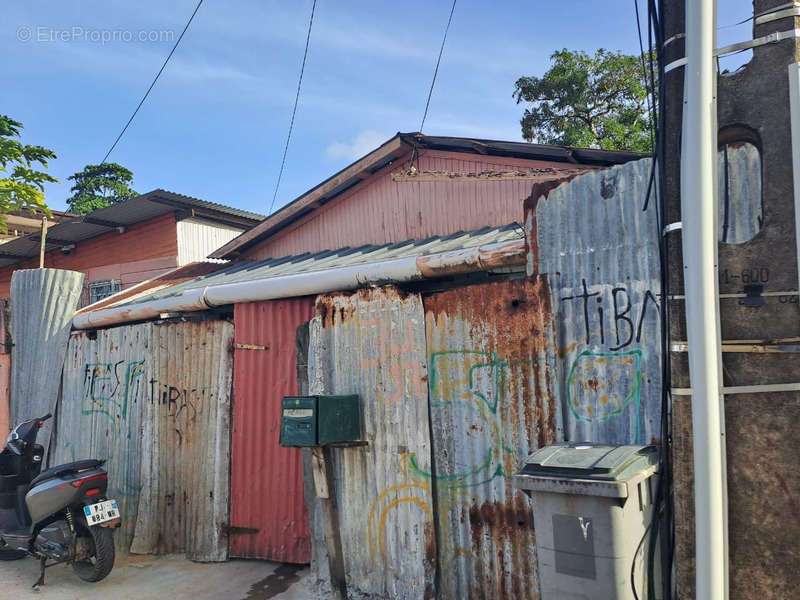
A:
(266, 480)
(381, 210)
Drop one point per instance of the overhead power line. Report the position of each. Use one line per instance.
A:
(294, 110)
(147, 93)
(436, 70)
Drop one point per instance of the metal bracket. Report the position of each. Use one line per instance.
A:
(772, 38)
(680, 62)
(767, 388)
(790, 9)
(673, 227)
(250, 347)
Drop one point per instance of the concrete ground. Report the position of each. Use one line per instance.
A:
(161, 578)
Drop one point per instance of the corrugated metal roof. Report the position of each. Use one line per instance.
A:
(176, 276)
(586, 156)
(395, 148)
(302, 263)
(123, 214)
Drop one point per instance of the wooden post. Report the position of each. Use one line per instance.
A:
(322, 468)
(41, 246)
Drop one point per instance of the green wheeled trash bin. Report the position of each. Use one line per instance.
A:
(592, 509)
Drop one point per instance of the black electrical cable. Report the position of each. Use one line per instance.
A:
(294, 110)
(436, 70)
(660, 528)
(147, 93)
(665, 482)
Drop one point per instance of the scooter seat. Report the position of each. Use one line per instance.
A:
(73, 467)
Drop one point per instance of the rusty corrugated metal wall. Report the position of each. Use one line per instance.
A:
(599, 250)
(186, 479)
(269, 519)
(491, 360)
(372, 343)
(154, 400)
(104, 389)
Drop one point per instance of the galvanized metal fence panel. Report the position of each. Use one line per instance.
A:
(43, 302)
(740, 210)
(491, 361)
(186, 423)
(105, 386)
(599, 250)
(372, 343)
(269, 519)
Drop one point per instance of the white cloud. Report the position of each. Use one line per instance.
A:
(363, 143)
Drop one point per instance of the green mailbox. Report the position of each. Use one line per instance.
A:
(319, 420)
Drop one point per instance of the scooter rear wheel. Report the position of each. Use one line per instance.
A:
(100, 559)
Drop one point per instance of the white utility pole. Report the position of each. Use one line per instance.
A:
(699, 220)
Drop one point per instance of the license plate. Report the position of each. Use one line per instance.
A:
(101, 512)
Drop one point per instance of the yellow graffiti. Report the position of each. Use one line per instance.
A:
(376, 523)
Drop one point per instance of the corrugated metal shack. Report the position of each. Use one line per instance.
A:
(460, 378)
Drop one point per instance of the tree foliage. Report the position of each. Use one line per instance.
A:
(98, 186)
(588, 101)
(21, 178)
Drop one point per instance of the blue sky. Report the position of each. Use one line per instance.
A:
(215, 124)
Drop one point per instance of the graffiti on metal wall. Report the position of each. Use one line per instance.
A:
(466, 389)
(110, 389)
(406, 369)
(471, 398)
(607, 349)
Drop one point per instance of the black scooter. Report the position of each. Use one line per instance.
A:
(61, 514)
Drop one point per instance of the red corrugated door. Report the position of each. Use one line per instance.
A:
(268, 514)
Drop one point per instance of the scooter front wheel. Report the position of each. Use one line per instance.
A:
(99, 558)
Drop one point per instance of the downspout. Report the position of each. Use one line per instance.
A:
(401, 270)
(699, 218)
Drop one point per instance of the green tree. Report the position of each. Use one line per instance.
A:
(595, 101)
(98, 186)
(21, 181)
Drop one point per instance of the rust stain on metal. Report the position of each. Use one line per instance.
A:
(491, 358)
(539, 174)
(509, 254)
(386, 513)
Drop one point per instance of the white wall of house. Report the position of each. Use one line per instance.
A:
(198, 238)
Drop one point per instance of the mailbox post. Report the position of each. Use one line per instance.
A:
(322, 423)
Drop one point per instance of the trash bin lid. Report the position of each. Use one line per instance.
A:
(590, 461)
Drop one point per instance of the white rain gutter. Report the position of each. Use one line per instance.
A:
(483, 258)
(698, 215)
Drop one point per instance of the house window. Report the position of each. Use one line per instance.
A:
(103, 289)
